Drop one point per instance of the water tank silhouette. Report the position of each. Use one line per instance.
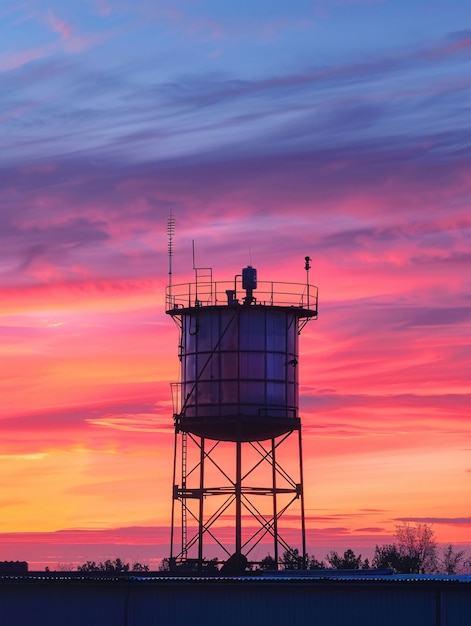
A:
(239, 358)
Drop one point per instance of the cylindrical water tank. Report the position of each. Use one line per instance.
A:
(239, 371)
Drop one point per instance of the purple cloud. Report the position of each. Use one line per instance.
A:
(453, 521)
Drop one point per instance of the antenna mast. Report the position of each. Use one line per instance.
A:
(170, 232)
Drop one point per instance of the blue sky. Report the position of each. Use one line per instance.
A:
(147, 80)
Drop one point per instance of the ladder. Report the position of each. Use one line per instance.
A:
(183, 496)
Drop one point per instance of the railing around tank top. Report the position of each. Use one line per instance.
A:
(225, 293)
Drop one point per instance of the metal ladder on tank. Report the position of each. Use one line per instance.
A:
(183, 498)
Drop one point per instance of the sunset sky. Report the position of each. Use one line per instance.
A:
(271, 130)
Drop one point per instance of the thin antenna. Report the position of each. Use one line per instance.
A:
(170, 232)
(250, 257)
(193, 249)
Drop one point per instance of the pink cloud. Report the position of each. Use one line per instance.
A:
(70, 41)
(103, 7)
(12, 60)
(71, 548)
(211, 28)
(59, 26)
(15, 112)
(460, 45)
(458, 521)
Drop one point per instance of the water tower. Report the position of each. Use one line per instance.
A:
(235, 411)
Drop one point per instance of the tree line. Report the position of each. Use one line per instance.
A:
(413, 551)
(117, 566)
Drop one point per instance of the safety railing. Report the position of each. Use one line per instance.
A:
(225, 293)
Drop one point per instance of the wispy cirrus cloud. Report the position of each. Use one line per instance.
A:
(72, 547)
(71, 40)
(92, 425)
(62, 27)
(458, 521)
(13, 59)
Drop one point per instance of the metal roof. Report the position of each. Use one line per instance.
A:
(134, 599)
(304, 578)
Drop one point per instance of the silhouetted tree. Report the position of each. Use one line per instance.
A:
(313, 563)
(387, 557)
(348, 561)
(417, 546)
(89, 566)
(291, 559)
(451, 562)
(139, 567)
(414, 552)
(466, 567)
(268, 563)
(164, 565)
(117, 566)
